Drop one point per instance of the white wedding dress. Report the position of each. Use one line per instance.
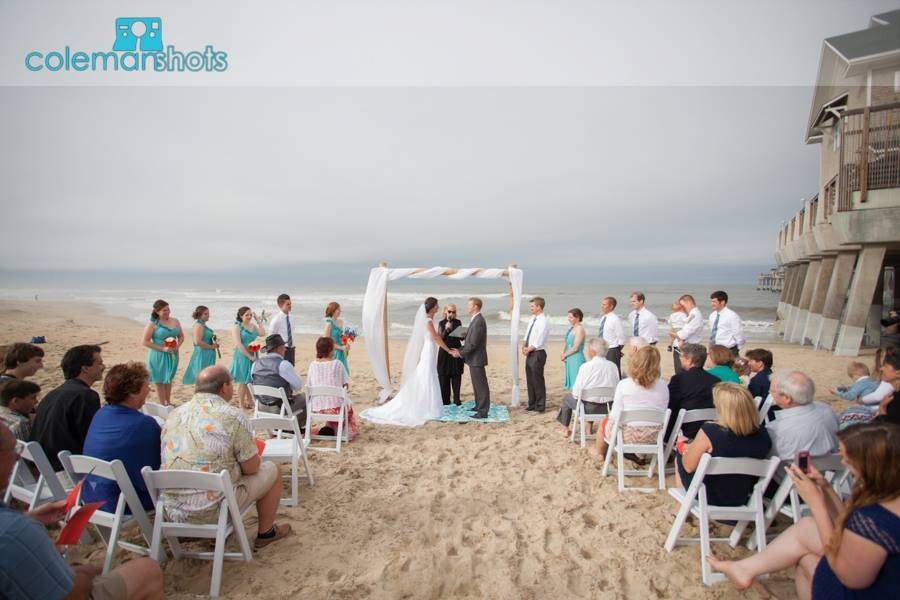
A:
(419, 399)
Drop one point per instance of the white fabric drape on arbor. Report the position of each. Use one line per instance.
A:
(374, 306)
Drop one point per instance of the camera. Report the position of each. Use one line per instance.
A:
(131, 30)
(803, 461)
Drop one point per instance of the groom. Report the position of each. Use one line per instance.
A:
(474, 352)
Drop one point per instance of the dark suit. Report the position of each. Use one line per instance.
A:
(474, 352)
(690, 390)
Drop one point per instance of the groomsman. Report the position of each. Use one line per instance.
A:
(611, 332)
(283, 324)
(643, 322)
(536, 356)
(690, 333)
(725, 327)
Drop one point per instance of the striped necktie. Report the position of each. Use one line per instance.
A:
(715, 329)
(530, 327)
(290, 340)
(637, 320)
(602, 323)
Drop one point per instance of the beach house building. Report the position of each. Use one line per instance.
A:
(841, 250)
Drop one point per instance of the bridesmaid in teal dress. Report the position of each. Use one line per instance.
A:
(162, 362)
(244, 332)
(574, 353)
(334, 327)
(205, 346)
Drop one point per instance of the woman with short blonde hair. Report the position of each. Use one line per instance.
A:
(735, 408)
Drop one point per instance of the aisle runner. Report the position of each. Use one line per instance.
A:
(498, 413)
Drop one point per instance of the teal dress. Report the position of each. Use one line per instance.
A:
(573, 362)
(725, 374)
(162, 365)
(201, 358)
(336, 336)
(241, 365)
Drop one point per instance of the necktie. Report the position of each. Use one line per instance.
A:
(602, 323)
(290, 340)
(637, 320)
(715, 328)
(530, 327)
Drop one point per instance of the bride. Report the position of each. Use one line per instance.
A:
(419, 398)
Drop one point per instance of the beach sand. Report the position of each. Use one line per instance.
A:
(507, 510)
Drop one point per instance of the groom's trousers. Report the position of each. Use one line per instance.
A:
(534, 378)
(482, 390)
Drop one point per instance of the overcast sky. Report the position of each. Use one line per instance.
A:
(464, 133)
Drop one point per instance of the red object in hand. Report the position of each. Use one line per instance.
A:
(71, 533)
(254, 347)
(260, 446)
(170, 342)
(681, 445)
(344, 340)
(72, 498)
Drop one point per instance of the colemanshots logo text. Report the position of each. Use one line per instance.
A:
(138, 47)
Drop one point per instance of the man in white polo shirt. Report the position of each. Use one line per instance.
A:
(725, 327)
(643, 322)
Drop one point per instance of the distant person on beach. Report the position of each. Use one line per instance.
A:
(163, 338)
(64, 415)
(643, 322)
(536, 356)
(691, 331)
(244, 332)
(283, 324)
(22, 360)
(597, 372)
(273, 370)
(725, 327)
(334, 328)
(573, 355)
(611, 332)
(450, 368)
(205, 345)
(17, 401)
(719, 362)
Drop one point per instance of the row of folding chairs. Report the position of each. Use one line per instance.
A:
(342, 435)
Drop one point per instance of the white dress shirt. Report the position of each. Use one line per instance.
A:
(692, 331)
(611, 330)
(278, 325)
(647, 325)
(811, 427)
(730, 331)
(539, 329)
(883, 390)
(286, 370)
(630, 395)
(596, 373)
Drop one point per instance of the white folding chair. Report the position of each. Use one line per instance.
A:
(599, 395)
(684, 417)
(342, 418)
(110, 524)
(230, 518)
(266, 391)
(693, 501)
(617, 444)
(157, 410)
(22, 484)
(764, 406)
(288, 451)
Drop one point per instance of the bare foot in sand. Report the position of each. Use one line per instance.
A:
(594, 452)
(731, 568)
(563, 431)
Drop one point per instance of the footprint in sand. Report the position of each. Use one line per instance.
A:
(589, 520)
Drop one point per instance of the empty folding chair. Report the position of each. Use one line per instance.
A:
(229, 520)
(111, 524)
(600, 395)
(617, 444)
(684, 417)
(693, 501)
(289, 450)
(342, 417)
(22, 484)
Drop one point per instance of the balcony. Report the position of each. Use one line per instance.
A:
(870, 159)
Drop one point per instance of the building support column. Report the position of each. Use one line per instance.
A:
(859, 300)
(794, 301)
(809, 284)
(785, 290)
(835, 298)
(817, 303)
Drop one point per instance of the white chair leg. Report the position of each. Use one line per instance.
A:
(295, 491)
(111, 546)
(219, 554)
(680, 519)
(620, 467)
(609, 451)
(661, 470)
(583, 424)
(340, 430)
(704, 541)
(307, 435)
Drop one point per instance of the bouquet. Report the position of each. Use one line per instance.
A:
(215, 341)
(254, 347)
(170, 343)
(348, 336)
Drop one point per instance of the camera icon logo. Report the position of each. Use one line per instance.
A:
(138, 33)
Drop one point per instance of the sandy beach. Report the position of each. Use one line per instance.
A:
(507, 510)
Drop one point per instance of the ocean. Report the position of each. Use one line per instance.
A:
(756, 308)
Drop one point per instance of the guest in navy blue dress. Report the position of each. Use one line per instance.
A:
(860, 556)
(120, 431)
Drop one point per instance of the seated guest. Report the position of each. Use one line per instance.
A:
(327, 371)
(634, 344)
(690, 389)
(736, 433)
(597, 372)
(207, 433)
(760, 362)
(886, 376)
(64, 415)
(17, 400)
(273, 370)
(642, 389)
(844, 550)
(719, 363)
(32, 567)
(863, 385)
(741, 367)
(802, 423)
(121, 431)
(22, 361)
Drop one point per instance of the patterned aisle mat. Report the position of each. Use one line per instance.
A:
(498, 413)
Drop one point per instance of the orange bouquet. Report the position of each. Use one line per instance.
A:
(170, 343)
(254, 347)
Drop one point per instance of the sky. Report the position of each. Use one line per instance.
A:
(615, 137)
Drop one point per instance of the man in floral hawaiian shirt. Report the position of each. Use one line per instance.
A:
(209, 434)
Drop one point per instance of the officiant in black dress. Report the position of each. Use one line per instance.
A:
(450, 369)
